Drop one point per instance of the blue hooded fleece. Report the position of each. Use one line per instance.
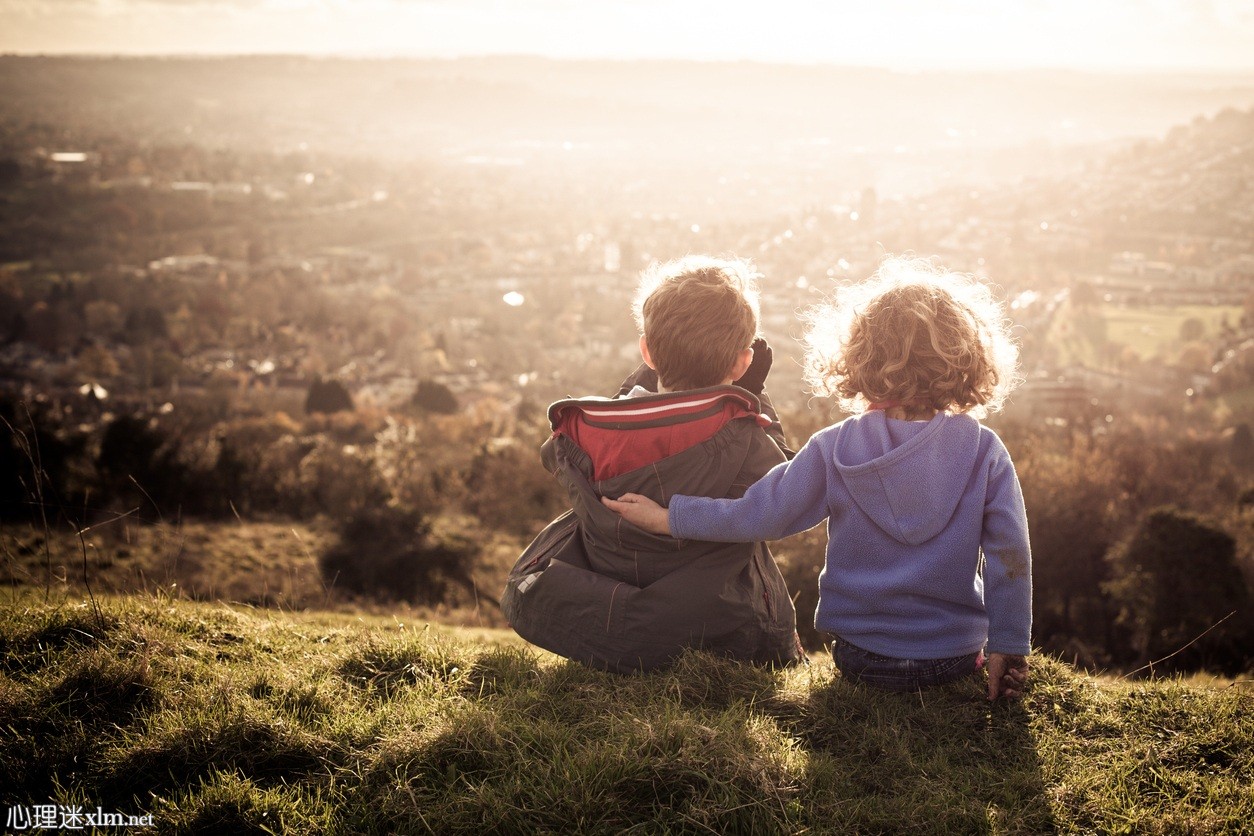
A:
(927, 554)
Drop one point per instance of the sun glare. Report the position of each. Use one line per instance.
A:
(901, 34)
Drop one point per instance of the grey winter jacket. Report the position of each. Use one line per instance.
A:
(596, 589)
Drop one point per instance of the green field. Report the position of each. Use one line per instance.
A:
(1152, 332)
(227, 719)
(1103, 335)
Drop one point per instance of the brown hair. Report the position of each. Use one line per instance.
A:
(914, 334)
(697, 314)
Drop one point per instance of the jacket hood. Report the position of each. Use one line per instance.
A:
(707, 442)
(711, 468)
(908, 478)
(623, 434)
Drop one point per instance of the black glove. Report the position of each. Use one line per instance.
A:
(754, 378)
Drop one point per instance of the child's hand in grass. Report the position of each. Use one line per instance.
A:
(640, 511)
(1007, 674)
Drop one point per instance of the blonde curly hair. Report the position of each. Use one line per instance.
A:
(912, 334)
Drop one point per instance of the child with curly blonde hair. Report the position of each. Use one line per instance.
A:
(928, 564)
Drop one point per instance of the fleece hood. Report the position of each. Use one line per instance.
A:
(907, 477)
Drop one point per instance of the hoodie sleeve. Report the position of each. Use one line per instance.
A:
(1008, 560)
(791, 497)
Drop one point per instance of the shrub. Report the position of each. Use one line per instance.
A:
(1174, 578)
(508, 489)
(1240, 445)
(1069, 497)
(420, 462)
(40, 461)
(340, 480)
(12, 488)
(433, 396)
(258, 464)
(388, 553)
(138, 461)
(144, 325)
(327, 396)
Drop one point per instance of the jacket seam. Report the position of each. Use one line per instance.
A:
(609, 614)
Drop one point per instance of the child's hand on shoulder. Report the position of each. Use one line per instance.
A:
(640, 511)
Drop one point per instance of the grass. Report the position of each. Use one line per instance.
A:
(230, 719)
(258, 563)
(267, 564)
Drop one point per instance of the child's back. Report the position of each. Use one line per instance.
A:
(622, 599)
(911, 507)
(612, 597)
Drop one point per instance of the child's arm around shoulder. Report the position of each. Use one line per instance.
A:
(790, 498)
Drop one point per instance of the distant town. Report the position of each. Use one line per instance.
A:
(152, 251)
(145, 272)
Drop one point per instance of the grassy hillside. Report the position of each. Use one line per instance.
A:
(259, 563)
(223, 718)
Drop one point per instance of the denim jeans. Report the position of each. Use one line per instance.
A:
(889, 674)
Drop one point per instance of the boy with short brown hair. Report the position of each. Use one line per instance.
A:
(697, 317)
(626, 600)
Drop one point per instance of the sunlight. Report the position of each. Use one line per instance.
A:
(901, 34)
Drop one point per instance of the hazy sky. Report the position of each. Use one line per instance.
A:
(903, 34)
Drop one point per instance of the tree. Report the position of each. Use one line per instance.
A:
(1192, 329)
(507, 490)
(1084, 295)
(1240, 443)
(138, 462)
(96, 362)
(433, 396)
(103, 318)
(49, 327)
(12, 321)
(38, 477)
(1174, 578)
(10, 172)
(144, 324)
(327, 396)
(14, 465)
(1069, 495)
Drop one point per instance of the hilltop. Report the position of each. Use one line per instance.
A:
(1184, 196)
(212, 717)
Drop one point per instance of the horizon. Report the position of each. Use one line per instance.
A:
(1178, 36)
(1131, 71)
